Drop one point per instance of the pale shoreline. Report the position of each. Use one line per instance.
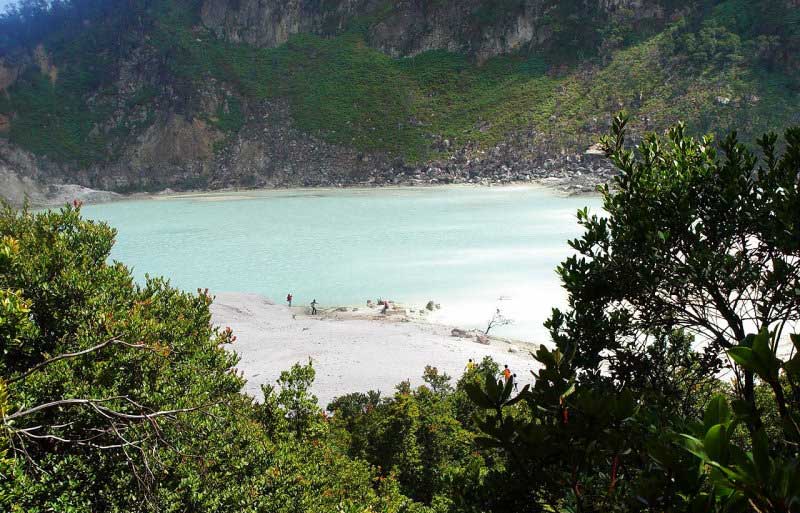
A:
(351, 351)
(88, 196)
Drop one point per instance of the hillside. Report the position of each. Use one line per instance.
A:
(149, 94)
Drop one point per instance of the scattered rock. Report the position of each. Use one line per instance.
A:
(458, 332)
(595, 149)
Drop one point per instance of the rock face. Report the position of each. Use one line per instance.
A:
(402, 28)
(177, 152)
(24, 178)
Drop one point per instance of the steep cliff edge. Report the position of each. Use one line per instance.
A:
(406, 28)
(150, 94)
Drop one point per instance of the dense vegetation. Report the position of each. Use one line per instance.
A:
(721, 64)
(121, 397)
(673, 383)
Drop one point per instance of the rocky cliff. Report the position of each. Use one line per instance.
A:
(264, 93)
(410, 27)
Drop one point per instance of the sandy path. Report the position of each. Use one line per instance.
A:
(349, 354)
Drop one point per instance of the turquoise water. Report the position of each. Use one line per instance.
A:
(470, 249)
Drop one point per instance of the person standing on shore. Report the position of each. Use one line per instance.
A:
(289, 299)
(507, 373)
(314, 307)
(470, 365)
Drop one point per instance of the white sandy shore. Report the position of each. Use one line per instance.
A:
(351, 351)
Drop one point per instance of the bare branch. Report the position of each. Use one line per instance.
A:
(64, 356)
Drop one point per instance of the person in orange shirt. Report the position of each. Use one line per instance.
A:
(507, 373)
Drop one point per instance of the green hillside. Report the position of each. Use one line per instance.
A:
(717, 67)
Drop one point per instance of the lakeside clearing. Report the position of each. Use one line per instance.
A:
(351, 351)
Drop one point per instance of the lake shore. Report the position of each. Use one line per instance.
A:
(58, 195)
(352, 350)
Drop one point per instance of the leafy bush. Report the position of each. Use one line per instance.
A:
(122, 397)
(691, 244)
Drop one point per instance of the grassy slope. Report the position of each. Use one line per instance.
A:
(350, 94)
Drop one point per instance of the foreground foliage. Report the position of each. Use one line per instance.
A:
(673, 384)
(120, 397)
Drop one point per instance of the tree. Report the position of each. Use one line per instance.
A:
(416, 436)
(694, 251)
(691, 242)
(291, 406)
(498, 320)
(121, 397)
(766, 475)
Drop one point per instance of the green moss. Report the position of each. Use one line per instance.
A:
(52, 120)
(143, 96)
(229, 117)
(490, 13)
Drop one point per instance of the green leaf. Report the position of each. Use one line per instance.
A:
(717, 412)
(519, 397)
(477, 396)
(715, 444)
(743, 356)
(761, 459)
(569, 391)
(748, 359)
(792, 367)
(694, 446)
(492, 388)
(761, 347)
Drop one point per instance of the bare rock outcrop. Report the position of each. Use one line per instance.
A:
(476, 27)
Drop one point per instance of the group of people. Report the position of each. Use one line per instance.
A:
(290, 297)
(471, 365)
(506, 372)
(385, 303)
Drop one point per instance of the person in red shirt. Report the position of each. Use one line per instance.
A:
(289, 299)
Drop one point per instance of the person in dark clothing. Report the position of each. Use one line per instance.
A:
(289, 299)
(314, 307)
